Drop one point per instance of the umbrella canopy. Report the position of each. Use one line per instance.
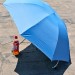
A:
(40, 24)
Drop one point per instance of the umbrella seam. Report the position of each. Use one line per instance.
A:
(56, 44)
(37, 23)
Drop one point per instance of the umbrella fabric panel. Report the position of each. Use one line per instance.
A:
(27, 13)
(44, 35)
(62, 51)
(40, 3)
(24, 15)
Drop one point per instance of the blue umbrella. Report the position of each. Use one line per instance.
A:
(41, 25)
